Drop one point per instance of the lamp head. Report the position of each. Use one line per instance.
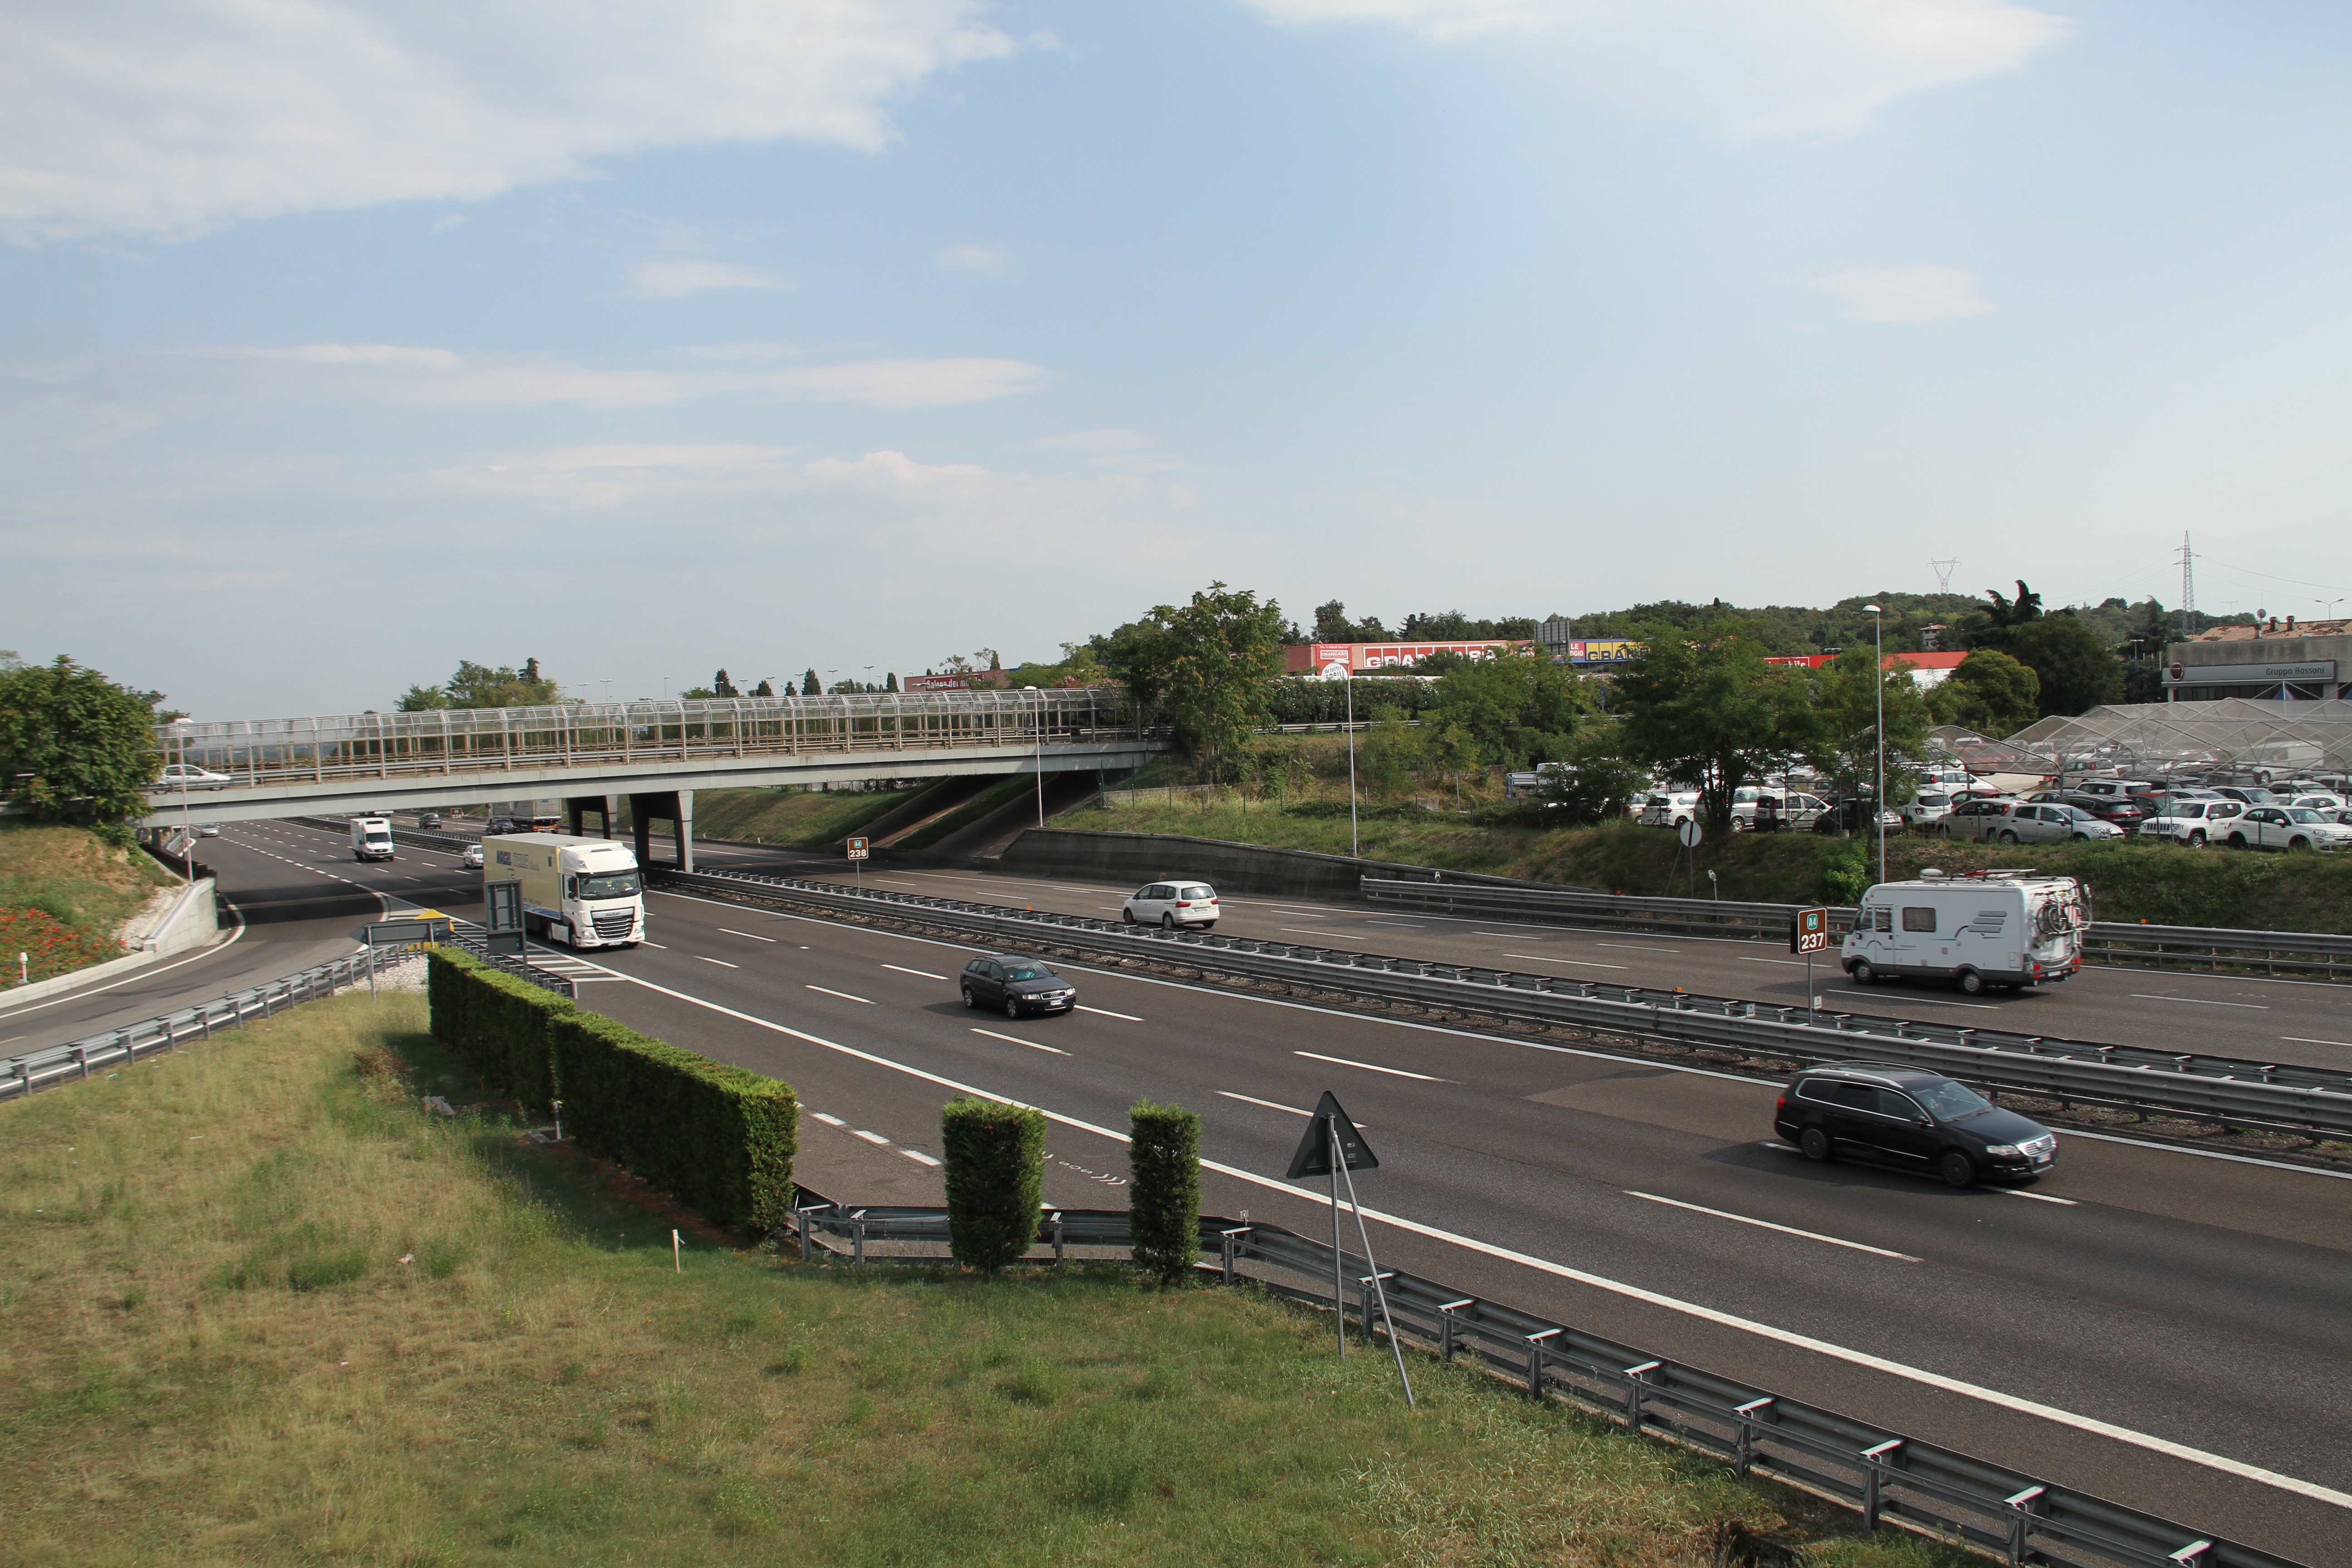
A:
(1872, 609)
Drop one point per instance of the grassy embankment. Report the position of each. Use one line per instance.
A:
(262, 1309)
(1417, 822)
(64, 894)
(799, 818)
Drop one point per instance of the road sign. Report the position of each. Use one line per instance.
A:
(1809, 932)
(502, 916)
(1690, 833)
(406, 933)
(1314, 1156)
(857, 850)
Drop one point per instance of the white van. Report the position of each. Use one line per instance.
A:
(371, 839)
(585, 890)
(1670, 810)
(1990, 928)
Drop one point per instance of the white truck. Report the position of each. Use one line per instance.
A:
(371, 839)
(2004, 929)
(585, 890)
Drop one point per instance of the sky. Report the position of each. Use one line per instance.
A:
(340, 341)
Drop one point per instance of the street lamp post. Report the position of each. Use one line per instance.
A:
(187, 824)
(1040, 718)
(1350, 678)
(1878, 806)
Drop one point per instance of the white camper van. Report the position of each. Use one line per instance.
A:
(585, 890)
(1989, 928)
(371, 839)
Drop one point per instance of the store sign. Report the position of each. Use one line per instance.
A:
(2321, 670)
(1334, 659)
(1602, 650)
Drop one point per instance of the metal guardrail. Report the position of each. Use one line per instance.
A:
(23, 1074)
(2305, 1101)
(2317, 954)
(1884, 1476)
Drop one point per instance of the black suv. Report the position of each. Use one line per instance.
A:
(1912, 1120)
(1016, 985)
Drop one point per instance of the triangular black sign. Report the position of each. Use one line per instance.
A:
(1314, 1156)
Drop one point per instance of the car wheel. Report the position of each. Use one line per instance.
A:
(1011, 1009)
(1956, 1169)
(2197, 839)
(1971, 983)
(1167, 922)
(1815, 1144)
(1127, 915)
(2236, 841)
(2009, 835)
(1861, 973)
(2082, 838)
(1739, 825)
(968, 999)
(2295, 844)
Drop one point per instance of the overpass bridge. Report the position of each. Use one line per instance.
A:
(658, 754)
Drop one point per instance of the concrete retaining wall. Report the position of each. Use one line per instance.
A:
(1250, 869)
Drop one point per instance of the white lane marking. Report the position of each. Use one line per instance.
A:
(828, 1120)
(1106, 1012)
(1015, 1040)
(918, 1156)
(1796, 963)
(1636, 947)
(1300, 914)
(1325, 935)
(869, 1137)
(843, 994)
(1511, 935)
(719, 962)
(1395, 925)
(1060, 889)
(1768, 1224)
(655, 946)
(1112, 907)
(1616, 1287)
(1923, 1001)
(924, 973)
(1581, 963)
(2037, 1197)
(2307, 1040)
(745, 933)
(2201, 1002)
(1269, 1104)
(1392, 1073)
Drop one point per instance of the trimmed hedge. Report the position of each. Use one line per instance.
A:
(996, 1170)
(719, 1138)
(1163, 1162)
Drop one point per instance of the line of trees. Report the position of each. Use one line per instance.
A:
(75, 746)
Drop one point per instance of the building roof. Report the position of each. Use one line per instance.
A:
(2155, 739)
(2276, 627)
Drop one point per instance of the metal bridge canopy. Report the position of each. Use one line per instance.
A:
(258, 752)
(2158, 739)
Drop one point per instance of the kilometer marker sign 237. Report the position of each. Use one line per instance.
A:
(1809, 932)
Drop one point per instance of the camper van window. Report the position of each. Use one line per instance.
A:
(1881, 920)
(1916, 918)
(609, 885)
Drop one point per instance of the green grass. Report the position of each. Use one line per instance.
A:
(64, 895)
(970, 812)
(801, 818)
(261, 1309)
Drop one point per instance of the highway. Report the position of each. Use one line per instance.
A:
(2163, 1328)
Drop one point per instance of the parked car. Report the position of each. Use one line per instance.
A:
(1171, 904)
(2190, 822)
(1671, 809)
(1854, 816)
(2024, 822)
(1912, 1120)
(1017, 985)
(2319, 800)
(208, 830)
(2286, 828)
(472, 858)
(2114, 789)
(1927, 807)
(1975, 821)
(1794, 809)
(2126, 812)
(187, 775)
(2251, 794)
(428, 819)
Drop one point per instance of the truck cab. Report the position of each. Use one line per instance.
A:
(371, 838)
(2001, 930)
(586, 892)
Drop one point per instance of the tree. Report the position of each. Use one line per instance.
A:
(1843, 742)
(480, 686)
(1595, 780)
(1998, 626)
(995, 1165)
(1991, 693)
(1332, 625)
(1163, 1163)
(763, 688)
(811, 686)
(1516, 707)
(1207, 666)
(75, 746)
(889, 681)
(2077, 671)
(1392, 753)
(1710, 713)
(722, 686)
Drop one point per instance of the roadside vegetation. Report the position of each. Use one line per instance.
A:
(267, 1310)
(65, 894)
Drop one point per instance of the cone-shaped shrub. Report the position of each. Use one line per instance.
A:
(1163, 1191)
(995, 1166)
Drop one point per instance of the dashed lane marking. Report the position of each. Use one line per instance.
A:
(1106, 1012)
(918, 1156)
(1768, 1224)
(746, 933)
(828, 1120)
(843, 994)
(924, 973)
(2201, 1002)
(719, 962)
(1580, 962)
(869, 1137)
(1368, 1066)
(1015, 1040)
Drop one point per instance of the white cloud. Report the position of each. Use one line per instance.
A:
(674, 278)
(983, 258)
(1108, 440)
(173, 116)
(1909, 295)
(911, 382)
(1748, 68)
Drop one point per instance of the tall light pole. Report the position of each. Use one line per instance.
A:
(1039, 722)
(1349, 676)
(1878, 673)
(187, 825)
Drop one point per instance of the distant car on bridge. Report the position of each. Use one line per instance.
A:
(187, 775)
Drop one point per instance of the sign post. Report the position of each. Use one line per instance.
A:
(1687, 832)
(858, 850)
(1808, 933)
(1331, 1130)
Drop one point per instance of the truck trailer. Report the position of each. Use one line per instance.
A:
(2004, 929)
(371, 839)
(585, 891)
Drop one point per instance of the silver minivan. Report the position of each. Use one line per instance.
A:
(1172, 904)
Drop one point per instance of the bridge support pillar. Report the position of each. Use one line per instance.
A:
(673, 807)
(578, 807)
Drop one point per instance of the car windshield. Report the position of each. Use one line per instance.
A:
(2302, 814)
(1950, 1102)
(1027, 972)
(610, 885)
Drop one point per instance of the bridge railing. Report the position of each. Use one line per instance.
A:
(257, 752)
